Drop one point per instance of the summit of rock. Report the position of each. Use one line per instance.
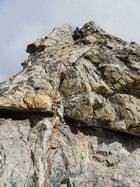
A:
(97, 82)
(90, 86)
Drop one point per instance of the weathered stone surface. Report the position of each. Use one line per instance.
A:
(79, 156)
(82, 102)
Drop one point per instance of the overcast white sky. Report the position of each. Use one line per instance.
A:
(23, 21)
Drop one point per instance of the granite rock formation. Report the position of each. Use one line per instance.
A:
(71, 117)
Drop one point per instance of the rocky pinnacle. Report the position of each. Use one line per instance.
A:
(71, 117)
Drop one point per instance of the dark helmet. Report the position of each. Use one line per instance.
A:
(77, 28)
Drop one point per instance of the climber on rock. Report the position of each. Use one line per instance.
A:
(77, 35)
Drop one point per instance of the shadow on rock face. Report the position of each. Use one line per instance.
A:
(105, 136)
(34, 117)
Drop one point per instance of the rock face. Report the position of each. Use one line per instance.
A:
(72, 117)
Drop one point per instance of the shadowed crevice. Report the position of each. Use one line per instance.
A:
(34, 117)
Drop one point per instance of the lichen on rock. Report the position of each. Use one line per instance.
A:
(82, 102)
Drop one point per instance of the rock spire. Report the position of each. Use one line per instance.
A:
(71, 117)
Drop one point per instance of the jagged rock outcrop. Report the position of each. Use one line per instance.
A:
(72, 116)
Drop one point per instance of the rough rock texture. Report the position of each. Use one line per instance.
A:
(72, 117)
